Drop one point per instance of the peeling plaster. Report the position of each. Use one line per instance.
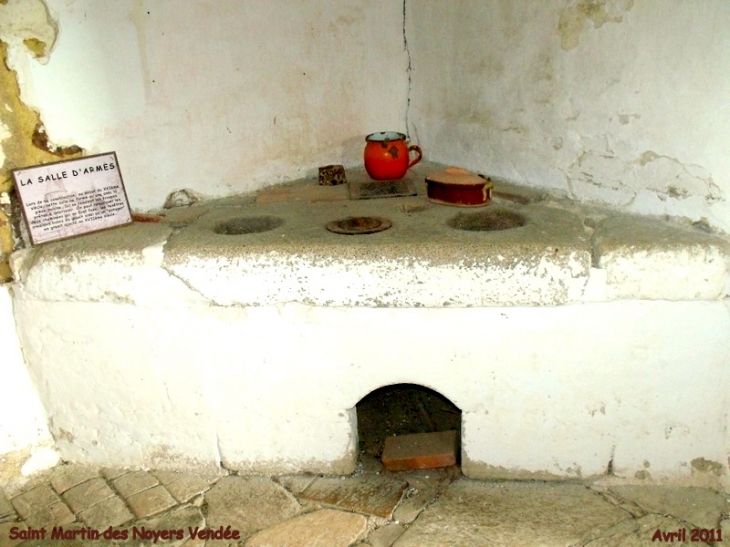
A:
(23, 139)
(679, 180)
(573, 19)
(600, 172)
(28, 22)
(625, 119)
(705, 466)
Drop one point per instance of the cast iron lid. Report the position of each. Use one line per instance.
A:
(359, 225)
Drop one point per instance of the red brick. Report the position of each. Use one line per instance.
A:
(420, 451)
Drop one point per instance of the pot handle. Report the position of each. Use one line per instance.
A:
(417, 150)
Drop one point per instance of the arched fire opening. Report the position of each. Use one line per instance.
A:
(401, 410)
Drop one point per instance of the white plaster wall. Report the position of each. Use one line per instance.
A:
(22, 418)
(614, 101)
(221, 97)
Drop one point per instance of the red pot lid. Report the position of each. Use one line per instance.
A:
(457, 175)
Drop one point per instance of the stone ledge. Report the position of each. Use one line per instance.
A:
(419, 262)
(658, 261)
(119, 266)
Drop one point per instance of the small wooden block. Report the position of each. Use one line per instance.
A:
(420, 451)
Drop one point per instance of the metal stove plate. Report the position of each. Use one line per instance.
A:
(370, 189)
(359, 225)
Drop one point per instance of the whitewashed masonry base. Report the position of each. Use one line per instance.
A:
(571, 351)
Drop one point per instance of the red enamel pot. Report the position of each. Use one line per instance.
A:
(387, 155)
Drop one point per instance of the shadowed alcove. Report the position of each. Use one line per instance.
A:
(402, 409)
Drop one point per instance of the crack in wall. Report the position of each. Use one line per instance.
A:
(409, 70)
(170, 270)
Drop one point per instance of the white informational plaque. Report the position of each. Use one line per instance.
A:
(72, 197)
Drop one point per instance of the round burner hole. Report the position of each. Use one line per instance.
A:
(247, 225)
(487, 221)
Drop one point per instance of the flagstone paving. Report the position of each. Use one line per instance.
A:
(73, 506)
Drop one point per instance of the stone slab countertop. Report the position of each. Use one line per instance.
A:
(559, 254)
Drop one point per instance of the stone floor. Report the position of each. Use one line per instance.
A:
(372, 508)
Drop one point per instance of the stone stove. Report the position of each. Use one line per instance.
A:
(579, 343)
